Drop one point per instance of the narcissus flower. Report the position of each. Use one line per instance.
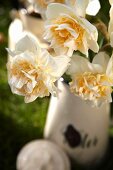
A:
(32, 71)
(92, 81)
(83, 7)
(66, 31)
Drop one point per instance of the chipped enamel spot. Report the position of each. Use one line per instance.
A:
(91, 85)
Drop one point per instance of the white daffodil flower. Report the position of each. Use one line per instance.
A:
(82, 7)
(92, 81)
(66, 31)
(110, 27)
(32, 71)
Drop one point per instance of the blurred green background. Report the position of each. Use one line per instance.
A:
(20, 122)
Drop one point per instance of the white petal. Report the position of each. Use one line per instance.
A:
(90, 29)
(71, 47)
(67, 27)
(93, 45)
(84, 48)
(111, 2)
(29, 87)
(93, 7)
(109, 70)
(92, 42)
(57, 65)
(111, 39)
(44, 58)
(24, 57)
(110, 27)
(62, 63)
(50, 86)
(78, 64)
(30, 98)
(33, 83)
(19, 83)
(60, 50)
(16, 91)
(11, 53)
(28, 42)
(95, 68)
(79, 6)
(55, 9)
(102, 59)
(91, 34)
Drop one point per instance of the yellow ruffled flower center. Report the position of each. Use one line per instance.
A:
(19, 69)
(91, 85)
(63, 35)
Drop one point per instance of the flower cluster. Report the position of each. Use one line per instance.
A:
(33, 71)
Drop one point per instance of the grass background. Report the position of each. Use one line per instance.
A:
(20, 122)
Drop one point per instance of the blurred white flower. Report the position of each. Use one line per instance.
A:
(110, 27)
(92, 81)
(41, 5)
(111, 2)
(66, 31)
(83, 7)
(32, 71)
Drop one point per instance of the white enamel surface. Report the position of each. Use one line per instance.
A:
(69, 109)
(42, 155)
